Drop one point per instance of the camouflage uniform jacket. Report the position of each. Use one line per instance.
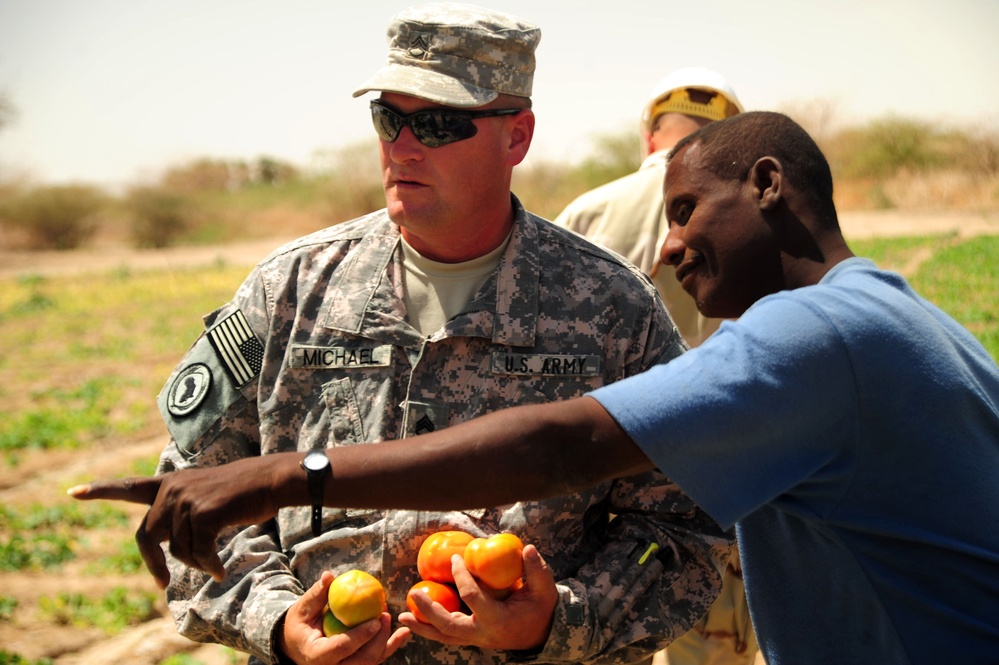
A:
(314, 351)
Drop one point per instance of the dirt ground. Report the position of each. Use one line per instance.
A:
(43, 477)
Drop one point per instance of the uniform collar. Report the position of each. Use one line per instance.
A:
(363, 297)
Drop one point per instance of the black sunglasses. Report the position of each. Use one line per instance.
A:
(433, 127)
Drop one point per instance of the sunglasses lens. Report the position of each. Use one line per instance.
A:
(387, 123)
(437, 128)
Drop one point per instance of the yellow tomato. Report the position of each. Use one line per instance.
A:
(356, 597)
(496, 561)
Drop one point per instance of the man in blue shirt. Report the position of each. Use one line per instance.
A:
(847, 427)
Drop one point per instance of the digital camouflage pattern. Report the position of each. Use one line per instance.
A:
(334, 363)
(457, 55)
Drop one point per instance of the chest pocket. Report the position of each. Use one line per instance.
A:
(346, 425)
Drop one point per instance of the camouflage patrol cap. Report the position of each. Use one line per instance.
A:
(457, 55)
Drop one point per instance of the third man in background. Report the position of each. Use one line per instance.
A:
(626, 216)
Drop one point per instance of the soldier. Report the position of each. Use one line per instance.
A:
(450, 303)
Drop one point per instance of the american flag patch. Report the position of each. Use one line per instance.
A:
(237, 347)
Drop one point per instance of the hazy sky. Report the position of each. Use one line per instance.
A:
(113, 91)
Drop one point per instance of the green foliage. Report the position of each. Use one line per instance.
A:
(35, 552)
(351, 182)
(63, 418)
(897, 253)
(127, 561)
(62, 515)
(886, 146)
(63, 217)
(614, 155)
(10, 658)
(181, 659)
(112, 612)
(158, 216)
(963, 280)
(7, 606)
(44, 535)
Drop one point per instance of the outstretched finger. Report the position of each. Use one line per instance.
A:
(134, 490)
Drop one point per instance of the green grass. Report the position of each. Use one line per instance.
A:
(111, 612)
(958, 275)
(43, 537)
(7, 606)
(84, 357)
(896, 253)
(64, 515)
(127, 561)
(963, 280)
(8, 658)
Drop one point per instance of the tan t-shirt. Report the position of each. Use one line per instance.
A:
(434, 291)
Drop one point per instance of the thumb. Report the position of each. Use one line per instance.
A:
(315, 598)
(536, 571)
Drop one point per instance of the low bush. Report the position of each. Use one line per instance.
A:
(61, 217)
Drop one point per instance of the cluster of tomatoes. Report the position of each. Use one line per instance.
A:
(496, 562)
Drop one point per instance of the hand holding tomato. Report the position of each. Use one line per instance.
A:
(302, 638)
(522, 621)
(445, 594)
(496, 561)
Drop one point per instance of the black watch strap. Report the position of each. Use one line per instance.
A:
(317, 468)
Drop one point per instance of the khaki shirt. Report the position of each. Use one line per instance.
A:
(626, 216)
(314, 351)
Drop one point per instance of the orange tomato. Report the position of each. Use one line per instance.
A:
(502, 594)
(356, 597)
(445, 594)
(496, 561)
(434, 559)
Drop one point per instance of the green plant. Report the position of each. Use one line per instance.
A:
(963, 280)
(111, 612)
(127, 561)
(36, 552)
(63, 418)
(181, 659)
(7, 606)
(159, 216)
(61, 515)
(10, 658)
(61, 217)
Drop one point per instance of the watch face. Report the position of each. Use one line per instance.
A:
(316, 460)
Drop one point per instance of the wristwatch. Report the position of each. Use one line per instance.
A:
(317, 467)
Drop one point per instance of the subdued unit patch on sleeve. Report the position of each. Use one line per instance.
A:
(197, 395)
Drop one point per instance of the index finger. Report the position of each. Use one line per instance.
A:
(134, 490)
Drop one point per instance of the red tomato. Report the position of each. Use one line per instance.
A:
(355, 597)
(445, 594)
(496, 561)
(434, 559)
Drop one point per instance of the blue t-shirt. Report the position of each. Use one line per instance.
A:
(850, 430)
